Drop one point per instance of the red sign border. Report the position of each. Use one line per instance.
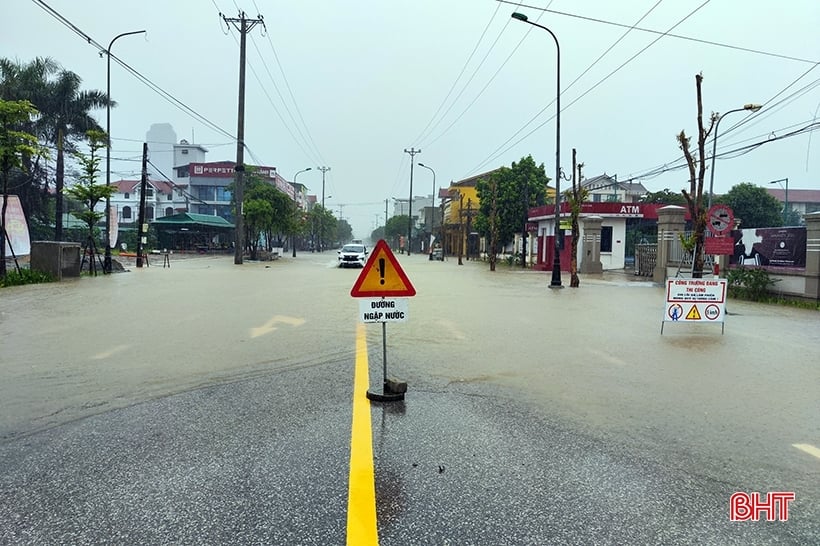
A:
(357, 291)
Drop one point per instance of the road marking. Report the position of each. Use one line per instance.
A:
(269, 326)
(111, 352)
(808, 448)
(361, 495)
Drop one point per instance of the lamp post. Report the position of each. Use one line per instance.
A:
(107, 260)
(433, 206)
(321, 228)
(746, 107)
(293, 235)
(556, 263)
(786, 210)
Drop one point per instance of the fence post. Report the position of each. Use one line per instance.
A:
(591, 247)
(671, 222)
(813, 255)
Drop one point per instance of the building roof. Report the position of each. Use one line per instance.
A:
(606, 182)
(190, 219)
(795, 196)
(471, 181)
(129, 186)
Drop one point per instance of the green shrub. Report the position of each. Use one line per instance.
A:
(24, 276)
(749, 283)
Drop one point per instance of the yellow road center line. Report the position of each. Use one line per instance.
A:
(808, 448)
(361, 495)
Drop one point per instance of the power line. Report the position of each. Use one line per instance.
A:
(150, 84)
(461, 73)
(497, 154)
(678, 36)
(290, 92)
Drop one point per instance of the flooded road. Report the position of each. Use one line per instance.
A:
(152, 384)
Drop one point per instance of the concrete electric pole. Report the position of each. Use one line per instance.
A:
(243, 25)
(321, 226)
(412, 152)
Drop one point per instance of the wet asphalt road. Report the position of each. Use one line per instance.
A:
(208, 413)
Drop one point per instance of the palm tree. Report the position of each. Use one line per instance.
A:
(64, 111)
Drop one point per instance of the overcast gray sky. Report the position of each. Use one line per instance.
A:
(351, 84)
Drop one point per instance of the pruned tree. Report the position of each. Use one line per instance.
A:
(575, 197)
(697, 172)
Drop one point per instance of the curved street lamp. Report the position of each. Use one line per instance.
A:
(750, 108)
(293, 235)
(556, 262)
(786, 211)
(433, 212)
(107, 260)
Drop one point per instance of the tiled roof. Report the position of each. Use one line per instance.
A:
(795, 196)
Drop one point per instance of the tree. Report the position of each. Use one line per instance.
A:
(323, 225)
(664, 197)
(87, 191)
(395, 228)
(754, 206)
(377, 234)
(14, 145)
(65, 111)
(697, 172)
(343, 230)
(505, 199)
(268, 213)
(575, 196)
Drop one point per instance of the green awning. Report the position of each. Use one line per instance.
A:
(191, 220)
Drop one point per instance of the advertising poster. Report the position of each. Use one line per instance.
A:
(778, 247)
(16, 228)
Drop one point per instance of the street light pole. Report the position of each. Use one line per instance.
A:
(293, 235)
(321, 226)
(786, 210)
(433, 207)
(107, 260)
(749, 107)
(412, 152)
(556, 262)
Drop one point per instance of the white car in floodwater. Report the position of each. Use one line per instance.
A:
(352, 255)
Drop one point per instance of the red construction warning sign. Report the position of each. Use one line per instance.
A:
(382, 276)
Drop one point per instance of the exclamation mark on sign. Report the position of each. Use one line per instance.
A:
(381, 270)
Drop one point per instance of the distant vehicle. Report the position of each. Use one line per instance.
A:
(352, 255)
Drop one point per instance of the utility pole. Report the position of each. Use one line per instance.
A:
(412, 152)
(243, 25)
(141, 212)
(321, 225)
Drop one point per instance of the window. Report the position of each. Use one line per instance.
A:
(127, 196)
(184, 151)
(149, 192)
(170, 196)
(149, 213)
(126, 212)
(606, 238)
(169, 211)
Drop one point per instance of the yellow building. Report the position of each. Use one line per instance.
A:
(460, 207)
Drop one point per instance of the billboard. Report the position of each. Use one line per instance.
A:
(776, 247)
(16, 228)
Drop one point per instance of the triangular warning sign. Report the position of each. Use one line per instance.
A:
(693, 313)
(382, 276)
